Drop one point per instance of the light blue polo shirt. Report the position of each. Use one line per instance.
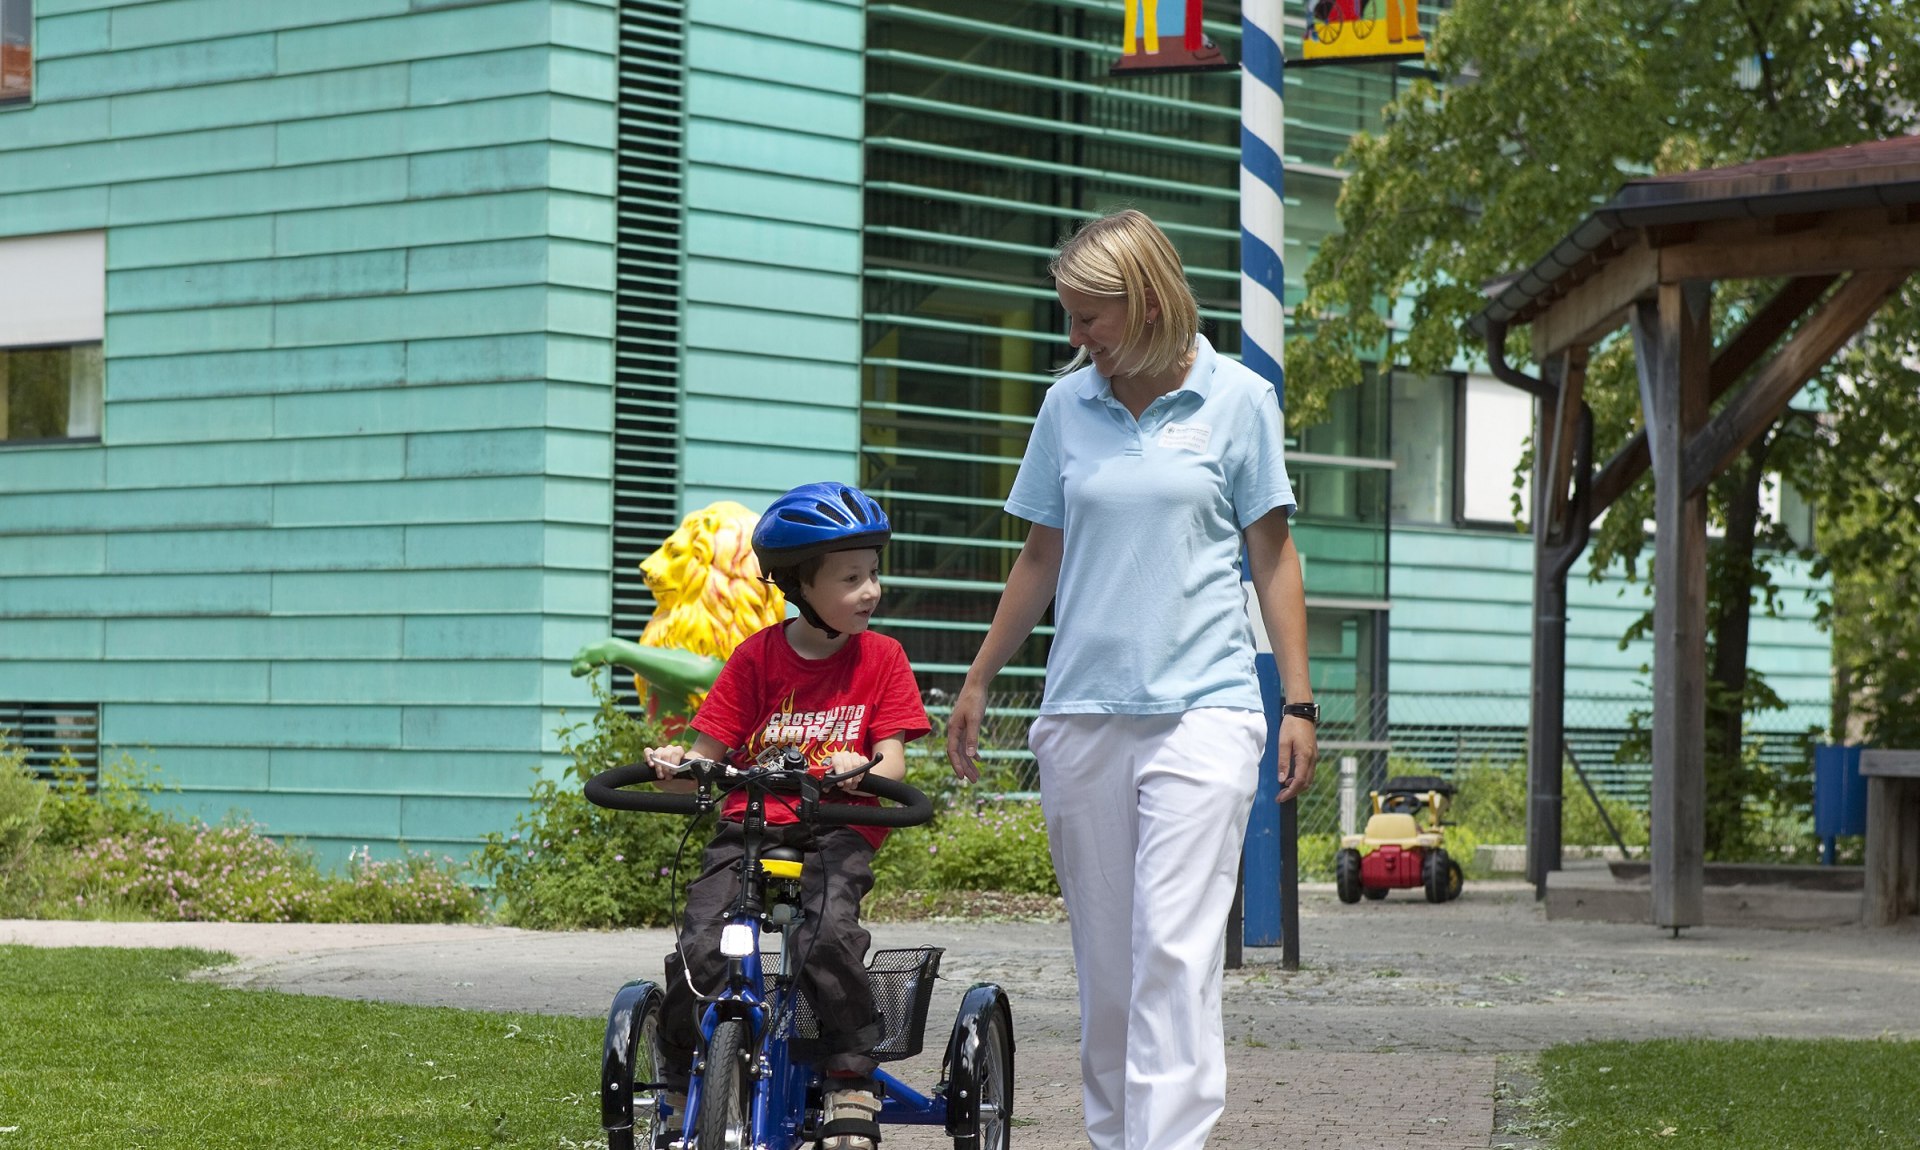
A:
(1150, 616)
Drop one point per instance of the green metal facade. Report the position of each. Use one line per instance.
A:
(383, 276)
(348, 518)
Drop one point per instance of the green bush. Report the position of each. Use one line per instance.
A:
(1492, 806)
(974, 843)
(568, 864)
(412, 888)
(112, 801)
(21, 801)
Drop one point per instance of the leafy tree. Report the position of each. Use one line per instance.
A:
(1547, 108)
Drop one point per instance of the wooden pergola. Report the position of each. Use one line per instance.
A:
(1840, 231)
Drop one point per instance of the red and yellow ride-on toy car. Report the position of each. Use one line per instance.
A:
(1399, 849)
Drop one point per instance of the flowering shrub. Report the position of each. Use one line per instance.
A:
(95, 848)
(233, 873)
(568, 864)
(972, 844)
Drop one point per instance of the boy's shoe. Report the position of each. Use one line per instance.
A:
(849, 1122)
(676, 1121)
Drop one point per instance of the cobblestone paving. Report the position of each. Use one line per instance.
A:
(1386, 1037)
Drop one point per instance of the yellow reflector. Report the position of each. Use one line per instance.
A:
(780, 868)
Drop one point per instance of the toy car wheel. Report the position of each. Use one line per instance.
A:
(1455, 879)
(1436, 874)
(1374, 893)
(1346, 875)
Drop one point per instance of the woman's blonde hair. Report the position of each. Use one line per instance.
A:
(1126, 255)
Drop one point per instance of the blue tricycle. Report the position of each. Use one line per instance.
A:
(755, 1084)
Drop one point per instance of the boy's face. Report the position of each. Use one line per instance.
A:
(846, 590)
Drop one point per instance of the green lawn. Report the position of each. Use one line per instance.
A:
(115, 1048)
(1773, 1093)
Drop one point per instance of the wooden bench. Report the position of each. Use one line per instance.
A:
(1893, 835)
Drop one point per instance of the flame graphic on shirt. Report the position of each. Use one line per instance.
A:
(818, 734)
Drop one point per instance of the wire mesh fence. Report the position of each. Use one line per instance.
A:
(1385, 736)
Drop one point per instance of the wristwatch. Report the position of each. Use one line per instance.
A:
(1308, 711)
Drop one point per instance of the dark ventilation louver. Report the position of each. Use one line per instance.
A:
(646, 467)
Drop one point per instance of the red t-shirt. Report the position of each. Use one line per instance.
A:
(768, 696)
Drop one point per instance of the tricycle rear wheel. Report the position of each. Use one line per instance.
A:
(992, 1103)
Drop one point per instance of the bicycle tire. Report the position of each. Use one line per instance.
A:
(726, 1091)
(992, 1103)
(640, 1101)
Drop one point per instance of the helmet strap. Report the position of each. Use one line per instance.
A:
(790, 587)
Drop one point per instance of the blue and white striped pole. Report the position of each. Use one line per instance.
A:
(1269, 916)
(1262, 211)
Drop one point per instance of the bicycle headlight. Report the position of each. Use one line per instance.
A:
(736, 940)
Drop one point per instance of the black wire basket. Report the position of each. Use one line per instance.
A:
(902, 982)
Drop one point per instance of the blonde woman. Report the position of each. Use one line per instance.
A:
(1153, 463)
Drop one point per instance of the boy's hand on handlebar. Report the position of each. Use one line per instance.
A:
(666, 761)
(846, 761)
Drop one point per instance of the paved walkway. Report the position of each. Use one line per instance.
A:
(1386, 1038)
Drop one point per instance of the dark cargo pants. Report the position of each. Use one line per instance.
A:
(830, 942)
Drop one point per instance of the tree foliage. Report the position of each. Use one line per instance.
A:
(1545, 109)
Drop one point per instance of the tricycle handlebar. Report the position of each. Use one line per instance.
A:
(606, 790)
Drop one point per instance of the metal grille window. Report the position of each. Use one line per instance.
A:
(992, 127)
(49, 732)
(647, 302)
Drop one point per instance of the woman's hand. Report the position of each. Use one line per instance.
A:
(1298, 752)
(963, 731)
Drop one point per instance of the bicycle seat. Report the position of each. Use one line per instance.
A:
(781, 862)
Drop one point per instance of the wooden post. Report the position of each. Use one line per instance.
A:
(1553, 438)
(1673, 343)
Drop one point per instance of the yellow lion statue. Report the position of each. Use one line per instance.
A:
(708, 596)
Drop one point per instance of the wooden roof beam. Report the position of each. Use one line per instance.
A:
(1751, 412)
(1597, 305)
(1732, 361)
(1863, 239)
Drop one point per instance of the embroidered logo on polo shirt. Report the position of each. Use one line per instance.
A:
(1186, 436)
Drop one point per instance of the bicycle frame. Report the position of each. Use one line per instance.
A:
(781, 1084)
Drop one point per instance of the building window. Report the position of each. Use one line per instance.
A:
(16, 52)
(1456, 445)
(1423, 414)
(1497, 424)
(52, 321)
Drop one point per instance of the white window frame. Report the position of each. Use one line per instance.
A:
(53, 294)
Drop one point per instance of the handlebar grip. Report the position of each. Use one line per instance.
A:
(604, 790)
(915, 807)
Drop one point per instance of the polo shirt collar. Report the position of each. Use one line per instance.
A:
(1199, 379)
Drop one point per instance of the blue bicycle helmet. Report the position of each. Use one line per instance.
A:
(818, 519)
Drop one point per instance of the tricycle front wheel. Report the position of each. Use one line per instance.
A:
(726, 1090)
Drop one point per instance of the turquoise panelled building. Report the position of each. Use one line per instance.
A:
(354, 355)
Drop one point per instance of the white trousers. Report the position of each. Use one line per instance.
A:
(1146, 815)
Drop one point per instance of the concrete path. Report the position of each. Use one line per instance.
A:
(1386, 1038)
